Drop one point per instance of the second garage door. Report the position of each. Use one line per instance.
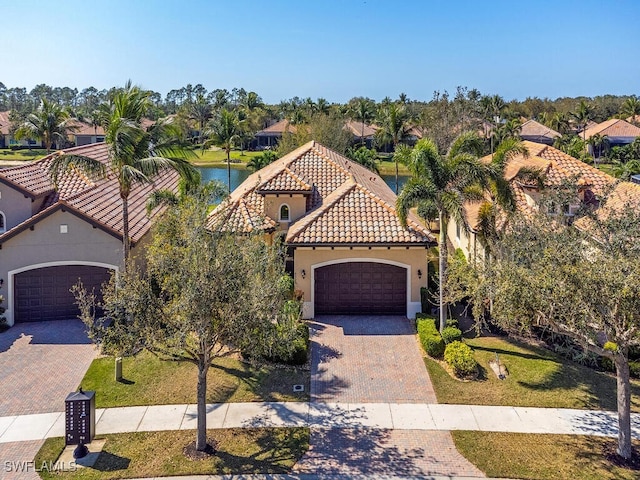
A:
(43, 293)
(360, 288)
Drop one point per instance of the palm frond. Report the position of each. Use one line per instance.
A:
(62, 163)
(416, 190)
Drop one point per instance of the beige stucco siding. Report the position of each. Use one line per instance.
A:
(413, 258)
(46, 246)
(16, 207)
(297, 207)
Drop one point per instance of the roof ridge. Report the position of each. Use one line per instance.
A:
(321, 209)
(323, 151)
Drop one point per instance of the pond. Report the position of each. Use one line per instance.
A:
(239, 175)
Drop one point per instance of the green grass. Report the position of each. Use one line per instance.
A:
(542, 457)
(388, 167)
(537, 378)
(149, 380)
(155, 454)
(21, 155)
(216, 158)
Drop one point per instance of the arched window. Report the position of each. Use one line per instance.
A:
(284, 213)
(3, 223)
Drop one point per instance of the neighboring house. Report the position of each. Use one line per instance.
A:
(362, 133)
(536, 132)
(49, 239)
(270, 136)
(619, 132)
(7, 140)
(82, 133)
(347, 250)
(559, 169)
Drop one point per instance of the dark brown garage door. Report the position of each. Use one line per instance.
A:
(360, 288)
(43, 293)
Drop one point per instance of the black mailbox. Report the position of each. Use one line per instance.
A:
(80, 417)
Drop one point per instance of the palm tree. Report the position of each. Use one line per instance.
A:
(48, 124)
(260, 161)
(441, 185)
(224, 131)
(393, 121)
(599, 145)
(363, 110)
(136, 155)
(582, 116)
(624, 170)
(560, 123)
(631, 108)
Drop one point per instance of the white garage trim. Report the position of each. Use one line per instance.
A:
(308, 308)
(9, 312)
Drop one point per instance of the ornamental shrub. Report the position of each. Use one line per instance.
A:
(451, 334)
(430, 337)
(459, 356)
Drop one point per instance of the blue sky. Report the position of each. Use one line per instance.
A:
(326, 48)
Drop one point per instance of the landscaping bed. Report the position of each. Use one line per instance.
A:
(154, 454)
(149, 380)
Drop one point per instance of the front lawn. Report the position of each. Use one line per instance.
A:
(149, 380)
(216, 158)
(537, 378)
(22, 155)
(542, 457)
(157, 454)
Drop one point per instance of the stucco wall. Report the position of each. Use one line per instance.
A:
(414, 259)
(15, 206)
(46, 246)
(297, 207)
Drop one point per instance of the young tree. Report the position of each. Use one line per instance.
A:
(583, 283)
(203, 295)
(136, 155)
(224, 131)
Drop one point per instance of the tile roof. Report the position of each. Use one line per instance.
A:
(78, 127)
(356, 128)
(285, 181)
(96, 200)
(348, 203)
(533, 131)
(277, 128)
(615, 127)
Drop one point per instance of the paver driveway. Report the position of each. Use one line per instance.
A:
(40, 364)
(374, 360)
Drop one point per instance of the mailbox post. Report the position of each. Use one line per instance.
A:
(80, 417)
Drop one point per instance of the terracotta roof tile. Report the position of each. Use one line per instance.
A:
(356, 128)
(285, 181)
(344, 196)
(83, 128)
(535, 131)
(615, 127)
(277, 128)
(5, 124)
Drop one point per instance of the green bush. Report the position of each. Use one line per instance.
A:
(430, 337)
(298, 353)
(634, 368)
(459, 356)
(451, 322)
(451, 334)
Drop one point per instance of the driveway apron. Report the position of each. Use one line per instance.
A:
(41, 363)
(364, 359)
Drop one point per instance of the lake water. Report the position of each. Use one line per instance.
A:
(240, 175)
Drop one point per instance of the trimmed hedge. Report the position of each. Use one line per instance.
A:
(430, 337)
(459, 356)
(451, 334)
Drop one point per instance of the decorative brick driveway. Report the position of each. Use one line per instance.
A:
(41, 364)
(367, 360)
(374, 360)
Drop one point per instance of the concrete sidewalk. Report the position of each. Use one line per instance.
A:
(407, 416)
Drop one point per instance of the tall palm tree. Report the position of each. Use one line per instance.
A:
(631, 108)
(136, 155)
(393, 121)
(582, 115)
(200, 111)
(363, 110)
(224, 131)
(599, 145)
(441, 185)
(50, 123)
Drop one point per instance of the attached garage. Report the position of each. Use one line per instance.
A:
(360, 288)
(44, 293)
